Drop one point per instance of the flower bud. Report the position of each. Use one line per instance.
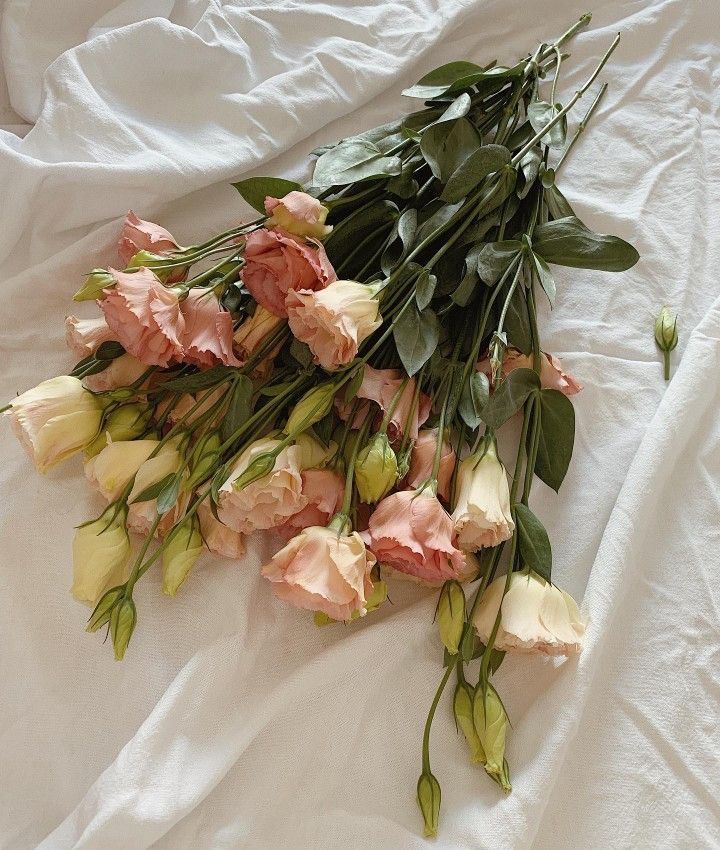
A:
(377, 595)
(124, 423)
(95, 282)
(463, 711)
(491, 724)
(101, 615)
(179, 556)
(100, 552)
(258, 468)
(204, 458)
(451, 615)
(122, 625)
(157, 263)
(428, 796)
(311, 408)
(376, 469)
(666, 335)
(298, 213)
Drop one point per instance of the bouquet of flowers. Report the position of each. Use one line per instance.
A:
(336, 370)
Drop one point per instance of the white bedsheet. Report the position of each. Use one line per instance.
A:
(234, 722)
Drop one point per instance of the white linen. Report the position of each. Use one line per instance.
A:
(233, 722)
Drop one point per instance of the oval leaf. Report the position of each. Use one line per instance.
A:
(557, 436)
(510, 396)
(445, 146)
(473, 399)
(568, 242)
(534, 542)
(354, 160)
(473, 169)
(255, 189)
(239, 408)
(416, 337)
(440, 79)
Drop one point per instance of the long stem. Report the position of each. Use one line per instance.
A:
(431, 715)
(582, 125)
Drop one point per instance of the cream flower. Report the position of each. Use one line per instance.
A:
(482, 512)
(112, 469)
(54, 420)
(219, 539)
(100, 556)
(84, 336)
(333, 321)
(535, 616)
(180, 555)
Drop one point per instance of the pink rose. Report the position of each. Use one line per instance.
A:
(423, 457)
(208, 335)
(298, 213)
(380, 386)
(322, 570)
(144, 316)
(219, 539)
(84, 336)
(552, 376)
(333, 321)
(277, 262)
(323, 489)
(138, 235)
(412, 533)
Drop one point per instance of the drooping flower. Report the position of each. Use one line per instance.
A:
(552, 376)
(114, 467)
(138, 235)
(276, 262)
(298, 213)
(536, 616)
(323, 489)
(208, 336)
(269, 500)
(84, 336)
(120, 372)
(482, 514)
(54, 420)
(323, 570)
(253, 331)
(219, 539)
(412, 533)
(333, 321)
(422, 459)
(145, 317)
(100, 555)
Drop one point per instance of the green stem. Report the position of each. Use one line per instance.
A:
(431, 715)
(582, 125)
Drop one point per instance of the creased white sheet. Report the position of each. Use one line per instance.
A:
(234, 722)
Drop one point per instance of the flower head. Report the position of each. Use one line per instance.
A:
(100, 555)
(298, 213)
(84, 336)
(423, 458)
(138, 235)
(323, 491)
(207, 338)
(552, 376)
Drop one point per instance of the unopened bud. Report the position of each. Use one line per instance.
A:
(204, 458)
(179, 556)
(666, 335)
(122, 625)
(101, 615)
(95, 282)
(123, 423)
(377, 595)
(451, 615)
(156, 262)
(311, 408)
(428, 796)
(491, 724)
(376, 469)
(261, 466)
(463, 711)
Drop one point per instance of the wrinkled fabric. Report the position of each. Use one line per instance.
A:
(233, 721)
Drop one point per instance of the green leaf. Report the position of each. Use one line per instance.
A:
(239, 407)
(540, 114)
(416, 337)
(529, 168)
(557, 436)
(510, 396)
(354, 160)
(401, 239)
(473, 399)
(545, 277)
(473, 169)
(300, 352)
(557, 203)
(154, 490)
(109, 350)
(255, 189)
(520, 136)
(351, 390)
(348, 233)
(198, 380)
(517, 322)
(437, 220)
(425, 289)
(494, 259)
(405, 185)
(445, 146)
(459, 108)
(534, 543)
(568, 242)
(440, 79)
(167, 497)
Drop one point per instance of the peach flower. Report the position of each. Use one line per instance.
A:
(84, 336)
(535, 616)
(552, 376)
(323, 489)
(423, 458)
(276, 262)
(411, 532)
(254, 330)
(144, 317)
(120, 372)
(323, 570)
(138, 235)
(333, 321)
(298, 213)
(219, 539)
(268, 501)
(208, 335)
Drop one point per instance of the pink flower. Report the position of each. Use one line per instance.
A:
(277, 262)
(423, 457)
(322, 570)
(220, 539)
(380, 386)
(298, 213)
(84, 336)
(138, 235)
(552, 376)
(412, 533)
(208, 336)
(144, 316)
(333, 321)
(254, 330)
(323, 489)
